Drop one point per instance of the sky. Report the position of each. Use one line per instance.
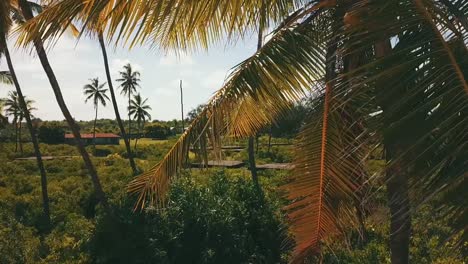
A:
(74, 63)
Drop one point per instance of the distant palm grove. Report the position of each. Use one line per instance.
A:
(342, 139)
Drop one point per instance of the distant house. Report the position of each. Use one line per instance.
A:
(101, 139)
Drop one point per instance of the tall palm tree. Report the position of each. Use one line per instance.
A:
(95, 92)
(129, 82)
(21, 116)
(18, 112)
(27, 13)
(13, 110)
(139, 110)
(6, 8)
(96, 27)
(409, 95)
(114, 102)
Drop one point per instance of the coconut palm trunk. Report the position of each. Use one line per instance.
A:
(32, 131)
(398, 199)
(252, 166)
(15, 122)
(114, 104)
(250, 147)
(94, 128)
(20, 143)
(38, 44)
(397, 184)
(129, 118)
(138, 135)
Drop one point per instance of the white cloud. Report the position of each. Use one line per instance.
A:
(117, 65)
(75, 64)
(174, 59)
(215, 79)
(165, 92)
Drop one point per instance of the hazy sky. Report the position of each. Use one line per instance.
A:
(202, 73)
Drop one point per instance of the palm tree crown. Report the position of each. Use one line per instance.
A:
(139, 109)
(13, 107)
(96, 92)
(5, 77)
(129, 80)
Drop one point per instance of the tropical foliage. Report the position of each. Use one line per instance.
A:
(382, 74)
(157, 130)
(51, 133)
(218, 211)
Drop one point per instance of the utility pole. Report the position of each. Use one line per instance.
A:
(182, 106)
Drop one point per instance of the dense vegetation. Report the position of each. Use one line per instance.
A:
(214, 216)
(378, 162)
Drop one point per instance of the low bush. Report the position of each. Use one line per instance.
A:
(157, 130)
(51, 133)
(222, 219)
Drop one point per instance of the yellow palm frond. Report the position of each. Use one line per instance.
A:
(325, 178)
(256, 93)
(167, 24)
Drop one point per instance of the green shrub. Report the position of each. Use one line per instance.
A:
(221, 220)
(18, 243)
(102, 152)
(157, 130)
(67, 242)
(51, 133)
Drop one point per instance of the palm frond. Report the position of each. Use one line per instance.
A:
(5, 77)
(95, 92)
(160, 22)
(256, 93)
(422, 88)
(325, 178)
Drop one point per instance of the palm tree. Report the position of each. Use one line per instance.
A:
(380, 71)
(13, 109)
(114, 104)
(95, 92)
(139, 110)
(21, 115)
(129, 82)
(5, 27)
(13, 102)
(27, 13)
(96, 27)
